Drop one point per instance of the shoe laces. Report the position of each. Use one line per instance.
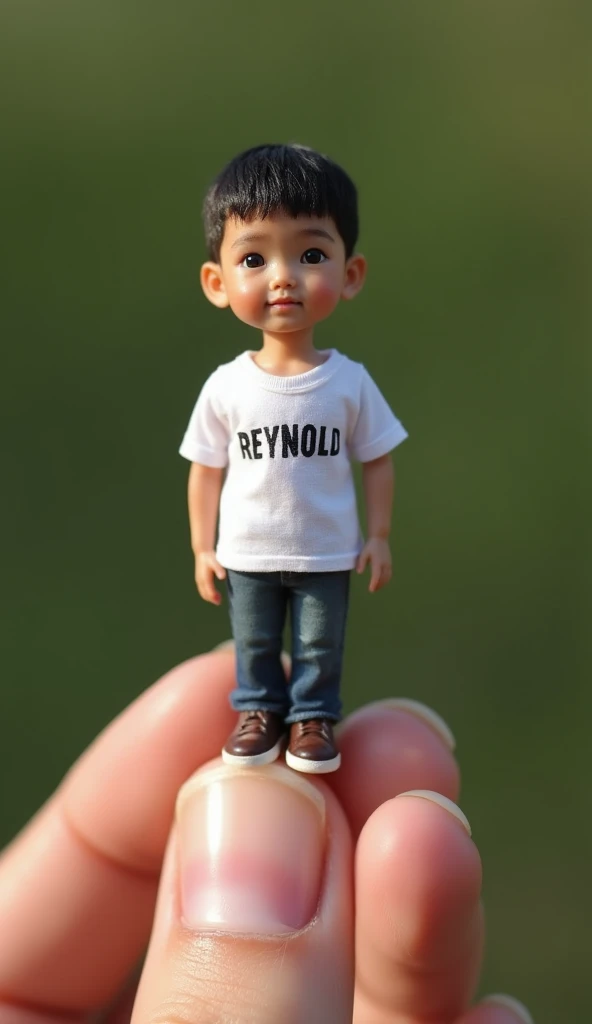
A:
(252, 718)
(314, 725)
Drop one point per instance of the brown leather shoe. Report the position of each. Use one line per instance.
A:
(256, 739)
(312, 747)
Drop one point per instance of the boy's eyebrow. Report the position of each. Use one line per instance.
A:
(317, 232)
(261, 236)
(252, 236)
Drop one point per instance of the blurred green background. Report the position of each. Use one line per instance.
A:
(466, 127)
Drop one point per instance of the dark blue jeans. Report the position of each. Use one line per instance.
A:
(318, 610)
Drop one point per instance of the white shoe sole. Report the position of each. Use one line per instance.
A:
(300, 764)
(255, 760)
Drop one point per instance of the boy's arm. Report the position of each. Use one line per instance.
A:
(379, 483)
(203, 496)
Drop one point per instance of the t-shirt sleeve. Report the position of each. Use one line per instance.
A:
(377, 430)
(206, 439)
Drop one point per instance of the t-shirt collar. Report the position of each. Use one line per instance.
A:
(298, 382)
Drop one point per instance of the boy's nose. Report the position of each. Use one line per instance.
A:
(282, 276)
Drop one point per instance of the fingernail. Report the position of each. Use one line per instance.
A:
(427, 715)
(442, 801)
(226, 645)
(251, 850)
(509, 1003)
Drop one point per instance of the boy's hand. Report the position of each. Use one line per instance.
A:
(376, 550)
(207, 567)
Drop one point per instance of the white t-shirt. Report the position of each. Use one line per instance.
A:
(288, 500)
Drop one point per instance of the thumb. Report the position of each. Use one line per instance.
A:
(363, 559)
(254, 920)
(219, 569)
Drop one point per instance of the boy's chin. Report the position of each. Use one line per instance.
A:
(275, 325)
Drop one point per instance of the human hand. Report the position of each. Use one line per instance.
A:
(376, 550)
(268, 853)
(207, 569)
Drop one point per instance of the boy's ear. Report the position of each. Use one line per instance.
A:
(212, 283)
(355, 275)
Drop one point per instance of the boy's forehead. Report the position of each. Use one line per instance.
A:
(275, 227)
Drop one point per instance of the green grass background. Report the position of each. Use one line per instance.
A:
(466, 127)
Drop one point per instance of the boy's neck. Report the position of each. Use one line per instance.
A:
(288, 354)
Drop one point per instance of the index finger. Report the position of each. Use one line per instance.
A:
(78, 886)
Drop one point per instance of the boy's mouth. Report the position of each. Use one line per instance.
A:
(284, 302)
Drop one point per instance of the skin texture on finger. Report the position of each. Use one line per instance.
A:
(222, 974)
(145, 755)
(72, 920)
(95, 849)
(386, 751)
(419, 929)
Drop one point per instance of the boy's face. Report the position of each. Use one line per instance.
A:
(282, 273)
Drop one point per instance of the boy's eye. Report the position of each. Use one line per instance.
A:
(313, 256)
(254, 259)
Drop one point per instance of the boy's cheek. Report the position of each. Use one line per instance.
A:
(323, 297)
(246, 307)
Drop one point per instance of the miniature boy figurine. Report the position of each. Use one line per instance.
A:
(271, 441)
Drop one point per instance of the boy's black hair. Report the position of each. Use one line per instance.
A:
(292, 179)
